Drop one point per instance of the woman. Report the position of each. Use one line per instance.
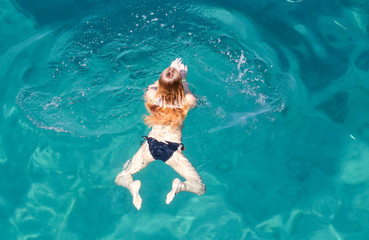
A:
(168, 101)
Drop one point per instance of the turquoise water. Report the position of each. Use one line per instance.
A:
(280, 136)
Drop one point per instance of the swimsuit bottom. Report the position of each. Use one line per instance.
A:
(162, 150)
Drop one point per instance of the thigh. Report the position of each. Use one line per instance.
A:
(140, 160)
(183, 166)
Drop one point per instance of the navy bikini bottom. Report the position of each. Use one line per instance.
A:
(162, 150)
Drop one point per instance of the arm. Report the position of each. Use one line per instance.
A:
(151, 91)
(191, 99)
(154, 85)
(182, 69)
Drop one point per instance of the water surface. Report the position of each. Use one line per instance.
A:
(280, 135)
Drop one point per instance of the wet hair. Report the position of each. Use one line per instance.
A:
(169, 105)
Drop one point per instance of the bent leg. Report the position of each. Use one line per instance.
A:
(193, 181)
(139, 161)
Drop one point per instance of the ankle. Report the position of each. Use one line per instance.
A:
(133, 184)
(178, 186)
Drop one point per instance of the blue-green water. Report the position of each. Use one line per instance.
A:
(280, 136)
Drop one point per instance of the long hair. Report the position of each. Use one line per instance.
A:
(169, 105)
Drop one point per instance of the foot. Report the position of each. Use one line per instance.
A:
(134, 188)
(177, 186)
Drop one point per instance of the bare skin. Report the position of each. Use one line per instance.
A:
(178, 161)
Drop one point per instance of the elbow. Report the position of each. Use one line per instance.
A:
(192, 101)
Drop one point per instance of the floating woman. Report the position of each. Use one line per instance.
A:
(168, 101)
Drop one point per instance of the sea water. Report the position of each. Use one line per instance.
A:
(280, 135)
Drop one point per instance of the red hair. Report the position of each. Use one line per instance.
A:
(169, 105)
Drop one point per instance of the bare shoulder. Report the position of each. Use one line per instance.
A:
(150, 94)
(191, 100)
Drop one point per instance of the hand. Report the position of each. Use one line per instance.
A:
(181, 68)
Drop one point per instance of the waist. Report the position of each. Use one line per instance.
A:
(166, 134)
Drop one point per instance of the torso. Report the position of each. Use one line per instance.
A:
(165, 133)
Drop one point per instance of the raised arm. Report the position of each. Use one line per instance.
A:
(182, 69)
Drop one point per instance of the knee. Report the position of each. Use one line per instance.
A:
(117, 180)
(122, 178)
